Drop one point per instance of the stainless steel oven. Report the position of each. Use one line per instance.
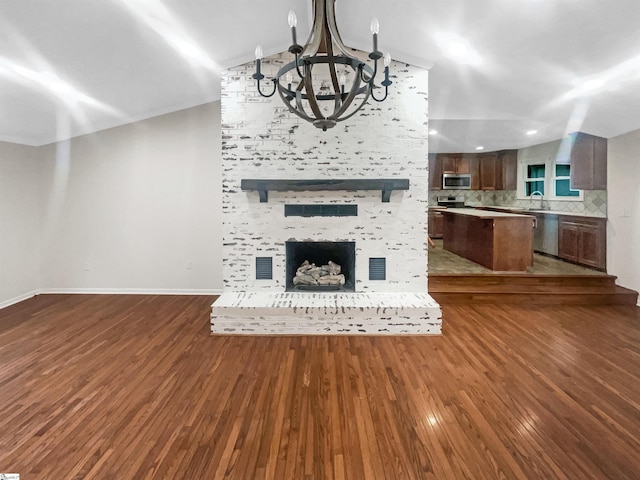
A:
(456, 181)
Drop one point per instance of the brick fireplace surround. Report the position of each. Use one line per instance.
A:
(263, 141)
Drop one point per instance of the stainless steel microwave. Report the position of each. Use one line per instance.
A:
(456, 181)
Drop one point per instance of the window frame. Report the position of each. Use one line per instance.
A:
(554, 181)
(527, 179)
(549, 179)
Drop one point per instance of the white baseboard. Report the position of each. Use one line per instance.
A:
(104, 291)
(126, 291)
(18, 299)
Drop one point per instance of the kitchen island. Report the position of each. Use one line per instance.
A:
(497, 240)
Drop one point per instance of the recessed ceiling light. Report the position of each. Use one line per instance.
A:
(532, 132)
(433, 132)
(480, 147)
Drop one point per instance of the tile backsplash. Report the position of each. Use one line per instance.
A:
(594, 202)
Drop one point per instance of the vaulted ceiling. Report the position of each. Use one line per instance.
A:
(499, 68)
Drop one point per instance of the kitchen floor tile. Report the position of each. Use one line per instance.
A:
(442, 261)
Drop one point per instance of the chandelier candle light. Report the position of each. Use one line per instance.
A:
(326, 95)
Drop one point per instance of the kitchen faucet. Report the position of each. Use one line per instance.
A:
(537, 192)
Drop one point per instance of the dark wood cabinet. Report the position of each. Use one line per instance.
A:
(489, 171)
(588, 162)
(498, 170)
(452, 163)
(509, 166)
(435, 172)
(498, 241)
(473, 168)
(591, 239)
(455, 163)
(568, 241)
(583, 240)
(436, 224)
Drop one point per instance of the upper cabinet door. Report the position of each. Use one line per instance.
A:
(489, 172)
(469, 164)
(435, 172)
(509, 166)
(463, 164)
(455, 162)
(588, 162)
(449, 162)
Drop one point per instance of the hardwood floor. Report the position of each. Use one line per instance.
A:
(524, 289)
(134, 387)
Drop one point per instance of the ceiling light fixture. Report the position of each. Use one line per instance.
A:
(322, 83)
(480, 147)
(532, 132)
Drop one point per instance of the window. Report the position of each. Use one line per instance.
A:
(535, 179)
(562, 182)
(544, 175)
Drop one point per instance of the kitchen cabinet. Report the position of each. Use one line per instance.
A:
(497, 240)
(582, 240)
(498, 170)
(435, 172)
(474, 169)
(588, 162)
(436, 224)
(454, 163)
(489, 172)
(509, 167)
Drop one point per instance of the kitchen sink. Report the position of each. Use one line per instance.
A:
(529, 209)
(524, 209)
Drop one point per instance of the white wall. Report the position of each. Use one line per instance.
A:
(135, 208)
(623, 232)
(19, 222)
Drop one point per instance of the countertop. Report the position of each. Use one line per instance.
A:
(472, 212)
(526, 211)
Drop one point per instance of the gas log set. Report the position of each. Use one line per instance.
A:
(309, 274)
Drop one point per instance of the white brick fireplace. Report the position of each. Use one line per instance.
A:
(363, 183)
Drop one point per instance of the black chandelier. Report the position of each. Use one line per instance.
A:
(324, 98)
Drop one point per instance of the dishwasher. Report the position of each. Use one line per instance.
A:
(545, 234)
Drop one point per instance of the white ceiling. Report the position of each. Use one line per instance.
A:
(69, 67)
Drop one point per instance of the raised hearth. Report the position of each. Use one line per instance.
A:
(289, 313)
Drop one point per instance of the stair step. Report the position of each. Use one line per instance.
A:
(438, 281)
(558, 290)
(519, 299)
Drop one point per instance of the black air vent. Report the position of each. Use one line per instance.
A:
(377, 269)
(320, 210)
(264, 268)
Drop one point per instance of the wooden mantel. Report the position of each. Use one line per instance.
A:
(386, 185)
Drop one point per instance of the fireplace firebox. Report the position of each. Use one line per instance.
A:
(320, 254)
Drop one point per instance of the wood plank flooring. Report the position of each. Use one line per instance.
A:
(134, 387)
(525, 289)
